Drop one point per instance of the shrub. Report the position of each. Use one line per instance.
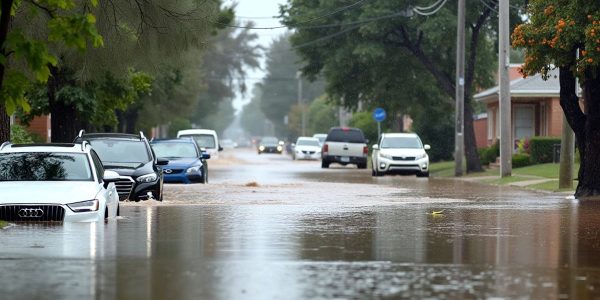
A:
(542, 148)
(520, 160)
(19, 135)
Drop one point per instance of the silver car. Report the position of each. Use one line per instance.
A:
(55, 182)
(400, 153)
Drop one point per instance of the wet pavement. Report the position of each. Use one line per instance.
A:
(267, 227)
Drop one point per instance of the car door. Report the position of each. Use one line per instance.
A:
(110, 190)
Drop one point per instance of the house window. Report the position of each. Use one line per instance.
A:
(497, 117)
(524, 121)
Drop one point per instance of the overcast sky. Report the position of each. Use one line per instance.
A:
(258, 11)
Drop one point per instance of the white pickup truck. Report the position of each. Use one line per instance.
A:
(345, 145)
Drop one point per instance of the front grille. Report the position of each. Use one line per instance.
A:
(173, 171)
(124, 186)
(405, 158)
(308, 152)
(22, 212)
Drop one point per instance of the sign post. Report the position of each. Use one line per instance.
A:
(379, 115)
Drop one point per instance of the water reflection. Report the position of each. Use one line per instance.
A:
(545, 248)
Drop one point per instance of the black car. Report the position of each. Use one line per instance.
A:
(270, 144)
(131, 156)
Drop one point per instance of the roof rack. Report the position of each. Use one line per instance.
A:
(84, 143)
(142, 136)
(4, 144)
(81, 133)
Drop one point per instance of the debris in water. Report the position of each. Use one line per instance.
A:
(252, 184)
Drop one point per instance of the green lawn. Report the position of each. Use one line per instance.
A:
(541, 171)
(3, 224)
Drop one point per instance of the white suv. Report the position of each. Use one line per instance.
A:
(400, 153)
(55, 182)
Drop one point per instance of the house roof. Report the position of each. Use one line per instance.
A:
(530, 87)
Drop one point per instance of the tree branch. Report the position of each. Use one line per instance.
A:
(476, 29)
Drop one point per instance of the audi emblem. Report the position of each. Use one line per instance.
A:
(168, 171)
(30, 212)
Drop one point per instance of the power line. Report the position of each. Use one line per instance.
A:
(421, 11)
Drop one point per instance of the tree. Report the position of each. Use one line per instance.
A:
(25, 56)
(557, 31)
(372, 53)
(252, 117)
(280, 85)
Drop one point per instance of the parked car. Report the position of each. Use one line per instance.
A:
(270, 144)
(187, 163)
(228, 144)
(321, 137)
(205, 139)
(131, 156)
(306, 148)
(345, 145)
(400, 153)
(55, 182)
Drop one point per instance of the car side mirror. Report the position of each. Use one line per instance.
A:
(205, 155)
(110, 176)
(162, 161)
(375, 147)
(426, 147)
(220, 148)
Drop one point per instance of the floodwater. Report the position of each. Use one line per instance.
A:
(267, 227)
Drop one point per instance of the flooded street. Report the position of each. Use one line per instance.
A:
(267, 227)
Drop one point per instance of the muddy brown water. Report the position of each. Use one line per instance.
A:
(267, 227)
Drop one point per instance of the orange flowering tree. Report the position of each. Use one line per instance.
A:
(565, 34)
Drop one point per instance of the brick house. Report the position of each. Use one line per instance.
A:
(535, 109)
(40, 126)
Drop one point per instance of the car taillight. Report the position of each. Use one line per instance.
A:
(325, 148)
(365, 150)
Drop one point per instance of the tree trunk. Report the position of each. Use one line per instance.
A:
(64, 120)
(589, 172)
(4, 124)
(5, 17)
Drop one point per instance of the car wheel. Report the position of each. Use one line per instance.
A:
(423, 174)
(106, 213)
(118, 209)
(362, 165)
(324, 164)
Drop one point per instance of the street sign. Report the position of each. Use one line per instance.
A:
(379, 114)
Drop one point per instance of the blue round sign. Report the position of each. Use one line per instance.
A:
(379, 114)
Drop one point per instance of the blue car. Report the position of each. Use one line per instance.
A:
(187, 163)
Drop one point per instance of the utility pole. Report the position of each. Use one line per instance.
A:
(567, 158)
(506, 142)
(459, 139)
(301, 102)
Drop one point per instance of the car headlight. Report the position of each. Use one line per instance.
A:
(385, 155)
(420, 156)
(261, 148)
(279, 148)
(90, 205)
(147, 178)
(195, 169)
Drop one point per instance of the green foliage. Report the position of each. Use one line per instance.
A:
(18, 135)
(322, 115)
(365, 122)
(178, 124)
(542, 149)
(435, 126)
(520, 160)
(252, 118)
(489, 154)
(280, 86)
(556, 28)
(66, 26)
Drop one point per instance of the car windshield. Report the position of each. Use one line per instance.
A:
(401, 142)
(202, 140)
(175, 150)
(44, 166)
(308, 143)
(346, 136)
(121, 151)
(269, 141)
